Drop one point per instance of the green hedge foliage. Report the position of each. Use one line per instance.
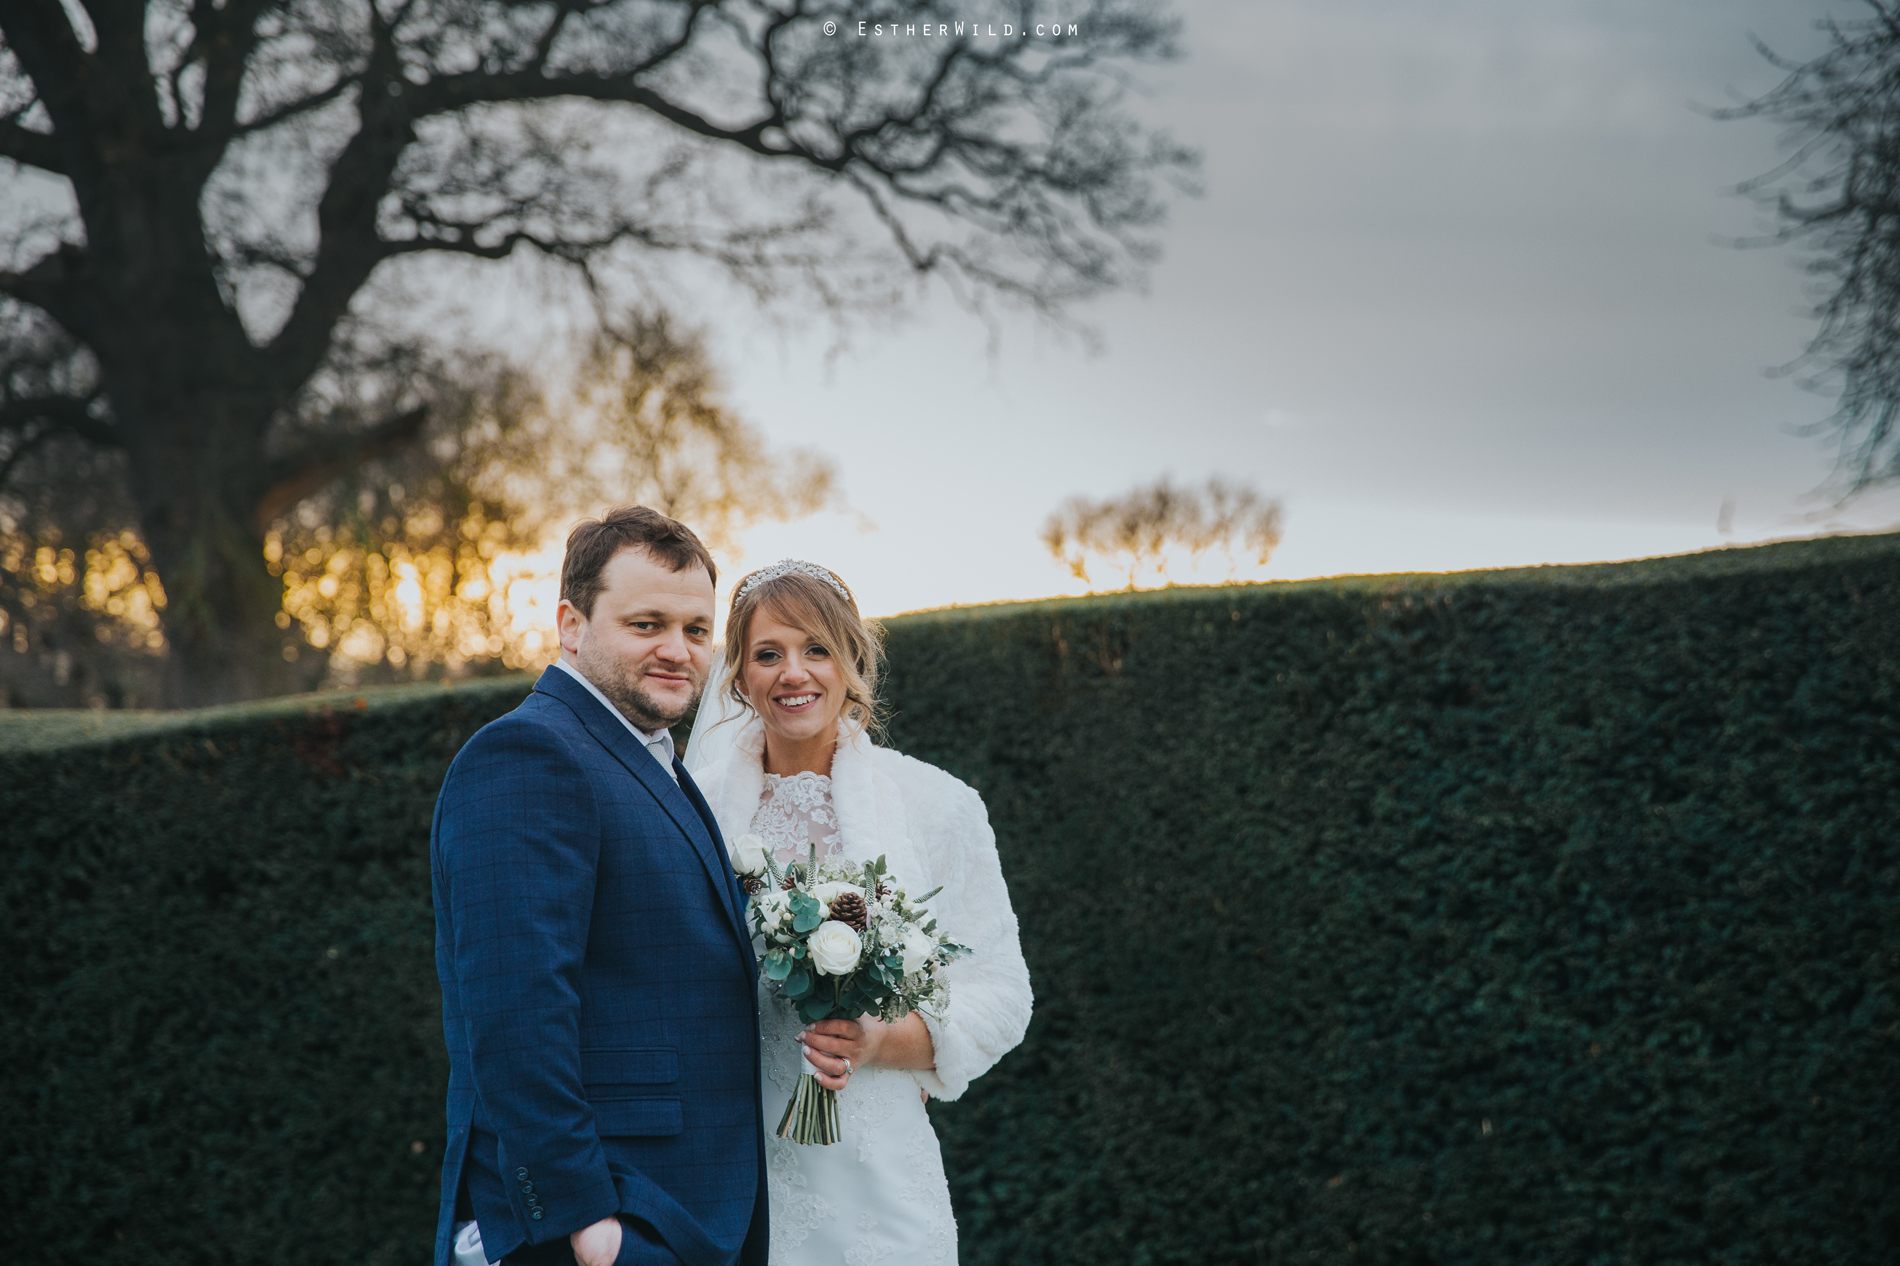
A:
(223, 1036)
(1548, 916)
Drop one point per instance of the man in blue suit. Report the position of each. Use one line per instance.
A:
(597, 977)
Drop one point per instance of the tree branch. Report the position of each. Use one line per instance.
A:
(556, 24)
(35, 149)
(59, 413)
(224, 38)
(41, 35)
(290, 479)
(119, 27)
(52, 284)
(22, 451)
(301, 106)
(349, 247)
(574, 251)
(458, 92)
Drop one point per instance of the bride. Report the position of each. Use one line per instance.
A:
(782, 749)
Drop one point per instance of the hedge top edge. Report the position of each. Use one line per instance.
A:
(1708, 564)
(30, 730)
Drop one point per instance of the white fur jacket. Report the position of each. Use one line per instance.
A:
(933, 830)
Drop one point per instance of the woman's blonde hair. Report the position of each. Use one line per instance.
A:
(829, 617)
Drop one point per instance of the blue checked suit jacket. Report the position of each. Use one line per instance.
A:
(597, 995)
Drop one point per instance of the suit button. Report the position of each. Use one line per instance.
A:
(522, 1172)
(536, 1215)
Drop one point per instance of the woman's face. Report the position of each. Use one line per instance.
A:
(793, 682)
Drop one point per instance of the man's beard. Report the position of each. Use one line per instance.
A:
(639, 707)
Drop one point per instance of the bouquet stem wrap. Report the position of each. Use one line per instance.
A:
(812, 1115)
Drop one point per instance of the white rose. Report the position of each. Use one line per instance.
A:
(748, 855)
(772, 907)
(918, 947)
(835, 948)
(830, 891)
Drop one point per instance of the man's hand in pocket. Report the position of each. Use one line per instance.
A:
(599, 1244)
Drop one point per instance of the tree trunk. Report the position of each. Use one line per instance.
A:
(195, 453)
(193, 400)
(221, 603)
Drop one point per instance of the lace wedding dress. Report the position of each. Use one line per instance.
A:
(879, 1195)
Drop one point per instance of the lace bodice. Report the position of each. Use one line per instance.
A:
(795, 810)
(880, 1195)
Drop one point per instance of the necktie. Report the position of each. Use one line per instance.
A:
(662, 749)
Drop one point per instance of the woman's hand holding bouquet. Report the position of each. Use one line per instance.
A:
(842, 940)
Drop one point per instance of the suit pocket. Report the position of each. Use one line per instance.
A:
(647, 1117)
(607, 1070)
(640, 1245)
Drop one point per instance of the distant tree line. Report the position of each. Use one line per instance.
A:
(1137, 532)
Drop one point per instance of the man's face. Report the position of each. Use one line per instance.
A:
(648, 644)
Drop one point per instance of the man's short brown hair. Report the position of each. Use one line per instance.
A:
(594, 542)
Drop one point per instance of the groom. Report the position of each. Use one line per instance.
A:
(597, 980)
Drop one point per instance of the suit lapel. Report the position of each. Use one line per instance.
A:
(620, 743)
(734, 895)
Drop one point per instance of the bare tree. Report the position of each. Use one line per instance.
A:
(1135, 531)
(403, 568)
(1838, 194)
(643, 419)
(203, 193)
(428, 560)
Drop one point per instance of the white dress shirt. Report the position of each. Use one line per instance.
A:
(659, 744)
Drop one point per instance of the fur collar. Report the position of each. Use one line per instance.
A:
(865, 791)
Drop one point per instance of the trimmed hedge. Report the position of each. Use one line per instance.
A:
(223, 1030)
(1537, 916)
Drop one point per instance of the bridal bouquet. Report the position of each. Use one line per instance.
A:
(842, 940)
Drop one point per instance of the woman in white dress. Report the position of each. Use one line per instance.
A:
(782, 749)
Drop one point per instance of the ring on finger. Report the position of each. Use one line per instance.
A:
(847, 1065)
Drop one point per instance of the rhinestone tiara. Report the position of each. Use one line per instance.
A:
(785, 567)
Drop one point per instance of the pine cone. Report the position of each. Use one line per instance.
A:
(752, 884)
(789, 882)
(848, 908)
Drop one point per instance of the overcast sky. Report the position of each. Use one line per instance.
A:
(1455, 293)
